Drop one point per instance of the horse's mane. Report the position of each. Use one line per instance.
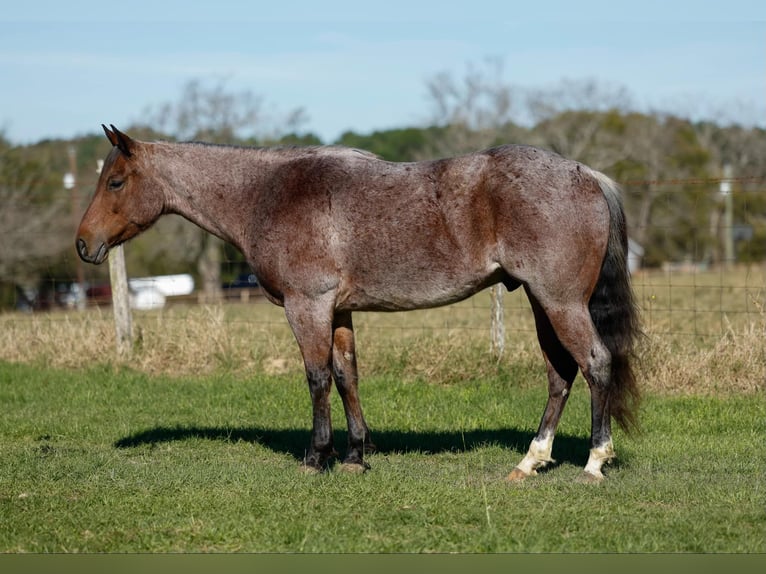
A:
(289, 149)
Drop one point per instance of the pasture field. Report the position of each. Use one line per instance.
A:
(99, 460)
(192, 444)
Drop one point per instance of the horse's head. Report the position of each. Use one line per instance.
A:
(126, 201)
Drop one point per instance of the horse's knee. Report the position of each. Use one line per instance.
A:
(319, 380)
(599, 365)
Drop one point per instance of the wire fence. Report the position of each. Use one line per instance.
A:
(716, 230)
(712, 285)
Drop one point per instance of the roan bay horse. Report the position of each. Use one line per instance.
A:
(330, 230)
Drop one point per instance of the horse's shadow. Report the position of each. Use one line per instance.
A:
(568, 448)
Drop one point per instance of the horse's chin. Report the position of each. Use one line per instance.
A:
(101, 254)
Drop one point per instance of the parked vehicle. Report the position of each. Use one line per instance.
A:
(243, 281)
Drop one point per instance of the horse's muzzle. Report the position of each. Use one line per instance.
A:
(96, 258)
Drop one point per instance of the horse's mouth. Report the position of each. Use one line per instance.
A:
(96, 258)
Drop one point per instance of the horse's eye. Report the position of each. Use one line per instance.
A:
(115, 184)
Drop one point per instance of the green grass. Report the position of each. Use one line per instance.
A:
(114, 460)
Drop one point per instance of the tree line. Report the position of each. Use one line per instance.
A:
(670, 168)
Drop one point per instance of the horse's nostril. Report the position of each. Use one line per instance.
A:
(82, 248)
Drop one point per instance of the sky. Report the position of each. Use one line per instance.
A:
(67, 67)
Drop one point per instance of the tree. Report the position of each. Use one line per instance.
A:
(581, 120)
(671, 220)
(472, 112)
(742, 151)
(35, 224)
(647, 143)
(394, 145)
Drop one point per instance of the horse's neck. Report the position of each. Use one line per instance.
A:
(210, 186)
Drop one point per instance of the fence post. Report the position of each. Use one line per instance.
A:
(496, 324)
(728, 218)
(123, 323)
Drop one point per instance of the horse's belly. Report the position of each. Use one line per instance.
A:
(415, 291)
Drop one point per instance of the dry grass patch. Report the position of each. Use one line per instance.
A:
(706, 330)
(704, 334)
(735, 363)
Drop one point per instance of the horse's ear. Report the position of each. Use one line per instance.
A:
(110, 135)
(120, 140)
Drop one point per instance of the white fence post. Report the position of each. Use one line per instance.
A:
(496, 325)
(123, 322)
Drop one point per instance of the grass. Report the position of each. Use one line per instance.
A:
(105, 460)
(192, 444)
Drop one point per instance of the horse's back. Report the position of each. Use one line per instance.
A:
(408, 235)
(453, 226)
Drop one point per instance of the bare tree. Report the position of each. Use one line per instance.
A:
(648, 141)
(474, 110)
(208, 113)
(573, 119)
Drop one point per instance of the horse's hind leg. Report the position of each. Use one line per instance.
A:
(346, 380)
(562, 370)
(574, 329)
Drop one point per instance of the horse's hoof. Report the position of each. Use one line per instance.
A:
(517, 475)
(354, 467)
(590, 478)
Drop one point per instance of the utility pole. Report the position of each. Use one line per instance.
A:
(70, 183)
(728, 218)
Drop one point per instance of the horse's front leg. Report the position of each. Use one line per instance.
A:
(346, 379)
(311, 322)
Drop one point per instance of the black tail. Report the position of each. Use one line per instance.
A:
(615, 314)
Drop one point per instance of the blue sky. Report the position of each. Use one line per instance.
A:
(67, 67)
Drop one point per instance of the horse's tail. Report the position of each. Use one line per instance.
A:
(614, 312)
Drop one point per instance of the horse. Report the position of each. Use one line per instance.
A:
(330, 230)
